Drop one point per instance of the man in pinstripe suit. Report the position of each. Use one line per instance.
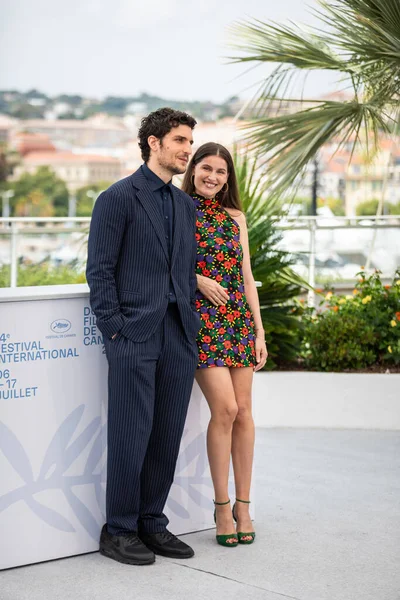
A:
(141, 273)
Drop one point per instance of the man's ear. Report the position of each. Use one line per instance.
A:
(153, 142)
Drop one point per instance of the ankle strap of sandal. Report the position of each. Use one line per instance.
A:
(244, 501)
(221, 503)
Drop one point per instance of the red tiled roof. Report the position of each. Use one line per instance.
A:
(336, 166)
(33, 142)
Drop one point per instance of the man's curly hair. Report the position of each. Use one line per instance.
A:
(159, 123)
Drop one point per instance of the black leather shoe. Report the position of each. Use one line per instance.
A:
(126, 549)
(166, 544)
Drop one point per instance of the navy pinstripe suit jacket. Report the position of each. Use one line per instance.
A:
(129, 268)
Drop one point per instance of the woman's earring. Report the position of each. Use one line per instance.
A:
(226, 188)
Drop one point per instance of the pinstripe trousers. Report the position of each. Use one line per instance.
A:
(149, 387)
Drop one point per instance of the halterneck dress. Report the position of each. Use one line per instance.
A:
(227, 335)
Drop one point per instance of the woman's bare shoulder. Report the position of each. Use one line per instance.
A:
(236, 214)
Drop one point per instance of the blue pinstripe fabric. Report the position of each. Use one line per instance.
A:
(148, 396)
(153, 359)
(129, 269)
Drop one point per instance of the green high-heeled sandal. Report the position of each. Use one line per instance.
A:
(222, 539)
(242, 534)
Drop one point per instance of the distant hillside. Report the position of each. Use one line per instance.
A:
(36, 105)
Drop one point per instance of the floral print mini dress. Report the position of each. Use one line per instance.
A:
(227, 336)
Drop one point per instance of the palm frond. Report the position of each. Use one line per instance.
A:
(270, 42)
(291, 47)
(288, 142)
(362, 45)
(368, 33)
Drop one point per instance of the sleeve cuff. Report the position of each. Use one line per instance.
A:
(112, 325)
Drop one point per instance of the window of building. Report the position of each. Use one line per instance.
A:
(376, 185)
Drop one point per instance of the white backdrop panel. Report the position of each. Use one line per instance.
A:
(53, 394)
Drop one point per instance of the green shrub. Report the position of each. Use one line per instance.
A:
(393, 209)
(84, 203)
(339, 342)
(357, 330)
(42, 274)
(39, 194)
(335, 204)
(367, 208)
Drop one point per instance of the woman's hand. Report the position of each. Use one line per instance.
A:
(212, 290)
(261, 351)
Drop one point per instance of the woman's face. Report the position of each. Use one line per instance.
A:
(210, 175)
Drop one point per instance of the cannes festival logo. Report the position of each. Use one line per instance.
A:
(60, 325)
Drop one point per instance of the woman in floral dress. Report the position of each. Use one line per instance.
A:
(231, 337)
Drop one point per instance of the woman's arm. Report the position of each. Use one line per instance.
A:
(251, 293)
(212, 290)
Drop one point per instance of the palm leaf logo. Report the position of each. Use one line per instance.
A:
(60, 455)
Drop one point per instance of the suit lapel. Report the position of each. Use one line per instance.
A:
(149, 204)
(178, 224)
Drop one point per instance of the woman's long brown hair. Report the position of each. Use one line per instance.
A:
(228, 199)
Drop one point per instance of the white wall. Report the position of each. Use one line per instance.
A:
(331, 400)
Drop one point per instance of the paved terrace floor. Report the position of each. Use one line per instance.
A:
(328, 528)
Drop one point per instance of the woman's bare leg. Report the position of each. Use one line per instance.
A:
(243, 443)
(216, 385)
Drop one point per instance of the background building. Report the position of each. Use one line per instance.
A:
(76, 170)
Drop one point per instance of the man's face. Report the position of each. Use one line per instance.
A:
(173, 151)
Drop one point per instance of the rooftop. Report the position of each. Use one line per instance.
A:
(49, 158)
(102, 122)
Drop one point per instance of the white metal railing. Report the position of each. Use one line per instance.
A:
(348, 222)
(9, 227)
(318, 223)
(16, 227)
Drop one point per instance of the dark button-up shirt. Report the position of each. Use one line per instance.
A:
(163, 193)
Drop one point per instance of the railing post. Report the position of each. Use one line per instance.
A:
(311, 264)
(14, 256)
(6, 195)
(71, 209)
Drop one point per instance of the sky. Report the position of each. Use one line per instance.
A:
(175, 49)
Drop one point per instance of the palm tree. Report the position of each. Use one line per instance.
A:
(360, 41)
(271, 265)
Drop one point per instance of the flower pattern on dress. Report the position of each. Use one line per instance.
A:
(227, 336)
